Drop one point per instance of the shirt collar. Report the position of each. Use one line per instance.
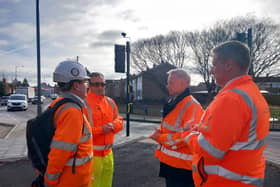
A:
(74, 97)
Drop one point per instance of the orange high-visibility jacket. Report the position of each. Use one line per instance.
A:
(228, 147)
(182, 118)
(104, 111)
(72, 136)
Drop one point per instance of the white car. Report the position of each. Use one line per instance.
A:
(53, 96)
(17, 102)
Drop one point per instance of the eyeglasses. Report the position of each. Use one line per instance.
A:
(97, 84)
(83, 81)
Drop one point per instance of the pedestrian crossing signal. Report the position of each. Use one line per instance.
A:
(120, 58)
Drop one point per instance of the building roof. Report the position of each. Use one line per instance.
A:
(163, 65)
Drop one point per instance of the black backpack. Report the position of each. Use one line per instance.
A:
(39, 134)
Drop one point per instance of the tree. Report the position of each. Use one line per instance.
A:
(201, 44)
(25, 83)
(2, 88)
(265, 53)
(149, 52)
(179, 47)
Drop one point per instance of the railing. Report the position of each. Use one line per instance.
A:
(274, 123)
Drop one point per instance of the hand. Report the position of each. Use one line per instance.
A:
(107, 128)
(155, 134)
(195, 127)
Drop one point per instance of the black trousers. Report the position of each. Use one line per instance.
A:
(176, 177)
(173, 182)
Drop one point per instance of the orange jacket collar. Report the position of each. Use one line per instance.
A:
(237, 81)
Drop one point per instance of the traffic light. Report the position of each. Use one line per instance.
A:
(120, 58)
(241, 36)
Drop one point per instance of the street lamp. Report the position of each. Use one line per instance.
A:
(16, 67)
(39, 108)
(123, 34)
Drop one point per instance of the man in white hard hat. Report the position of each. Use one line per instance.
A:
(72, 140)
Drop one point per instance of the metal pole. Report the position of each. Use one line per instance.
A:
(39, 108)
(250, 42)
(16, 73)
(127, 86)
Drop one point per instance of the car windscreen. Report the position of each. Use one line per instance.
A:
(18, 97)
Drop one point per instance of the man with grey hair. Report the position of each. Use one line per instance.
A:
(180, 114)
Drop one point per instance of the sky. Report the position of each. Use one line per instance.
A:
(90, 28)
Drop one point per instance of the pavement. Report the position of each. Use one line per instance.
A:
(135, 153)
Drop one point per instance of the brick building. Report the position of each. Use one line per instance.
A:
(147, 86)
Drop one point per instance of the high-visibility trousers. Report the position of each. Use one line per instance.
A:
(102, 173)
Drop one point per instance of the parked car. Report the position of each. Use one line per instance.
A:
(17, 101)
(53, 96)
(35, 100)
(4, 100)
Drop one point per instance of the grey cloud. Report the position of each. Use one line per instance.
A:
(102, 44)
(10, 1)
(4, 11)
(63, 8)
(128, 15)
(106, 38)
(143, 28)
(110, 35)
(270, 7)
(3, 42)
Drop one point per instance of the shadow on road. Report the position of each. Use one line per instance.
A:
(135, 166)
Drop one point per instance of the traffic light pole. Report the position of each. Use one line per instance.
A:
(127, 86)
(242, 38)
(250, 42)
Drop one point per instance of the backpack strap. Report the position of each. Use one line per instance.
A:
(63, 101)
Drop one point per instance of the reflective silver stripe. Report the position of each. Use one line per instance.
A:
(248, 145)
(52, 177)
(64, 145)
(85, 138)
(170, 127)
(66, 106)
(113, 106)
(89, 111)
(252, 142)
(176, 154)
(189, 136)
(180, 116)
(79, 161)
(170, 141)
(102, 147)
(176, 127)
(223, 172)
(195, 100)
(111, 102)
(169, 138)
(86, 131)
(187, 123)
(207, 146)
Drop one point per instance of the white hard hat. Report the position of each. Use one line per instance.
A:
(67, 71)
